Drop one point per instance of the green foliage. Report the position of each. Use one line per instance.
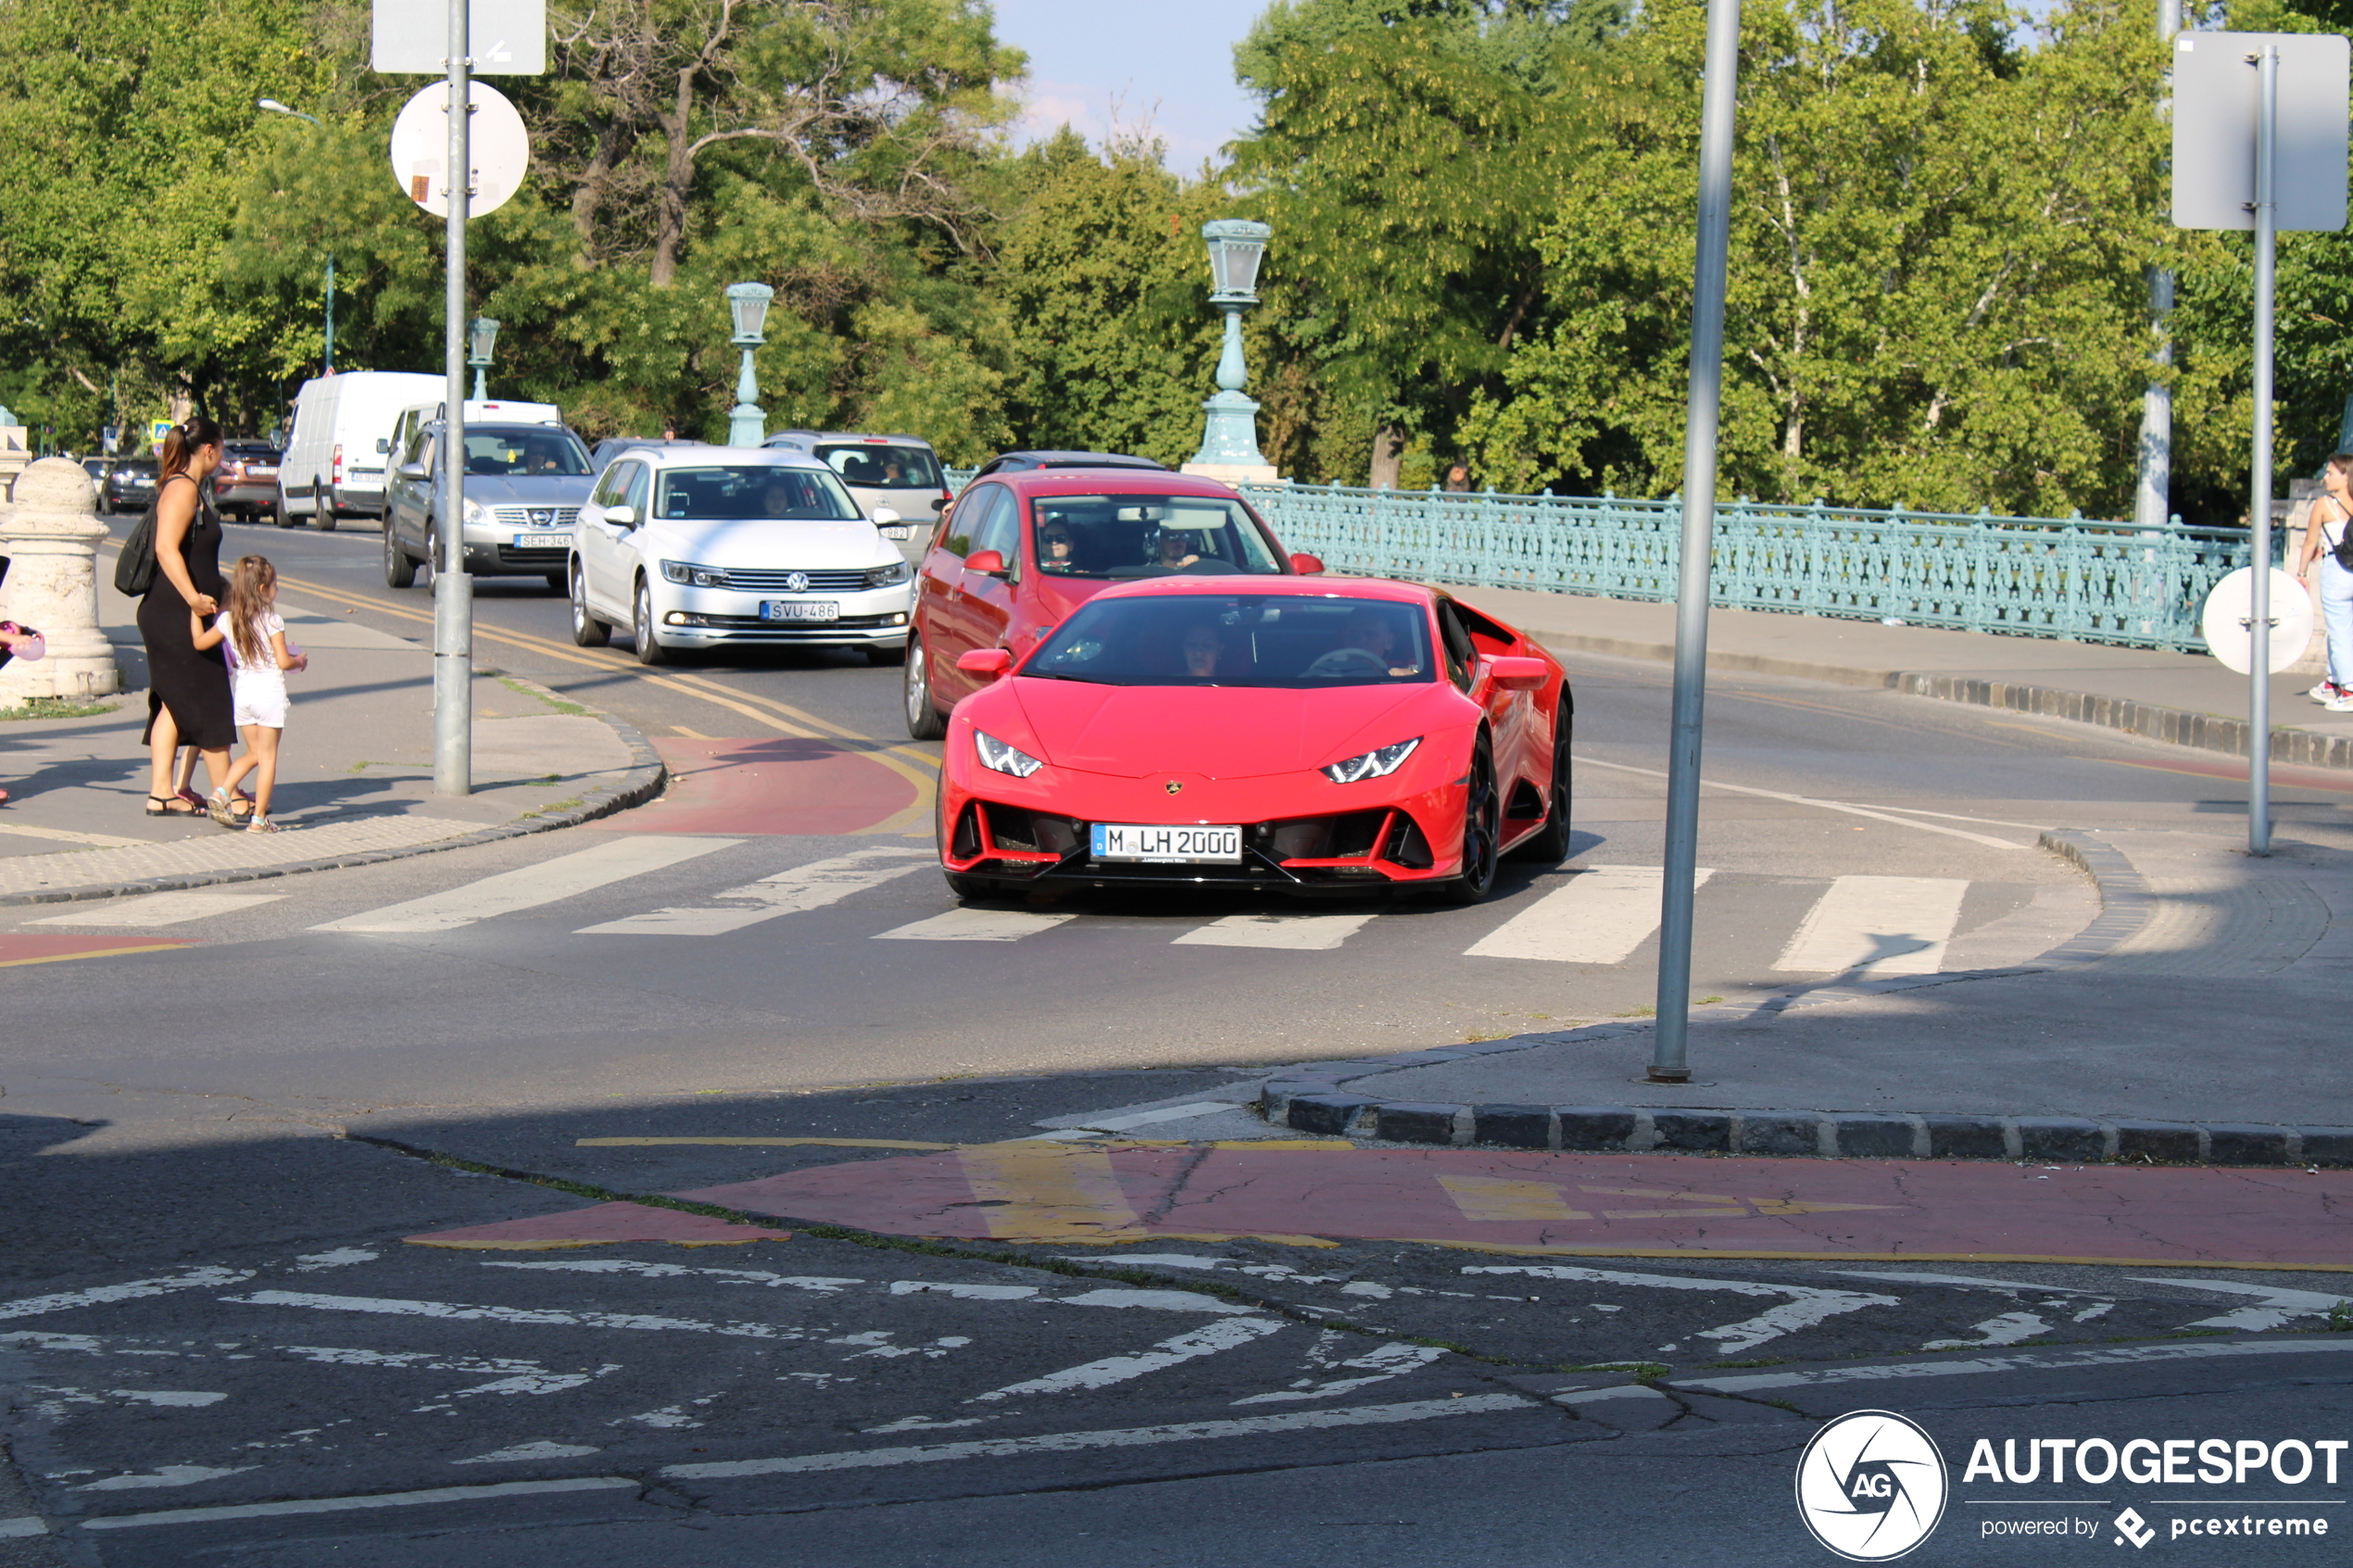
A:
(1935, 296)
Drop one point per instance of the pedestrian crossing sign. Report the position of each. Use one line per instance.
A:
(157, 430)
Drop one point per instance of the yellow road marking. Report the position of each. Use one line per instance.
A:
(99, 953)
(1760, 1205)
(891, 756)
(690, 735)
(1493, 1200)
(1047, 1191)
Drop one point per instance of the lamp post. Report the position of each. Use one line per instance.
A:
(747, 305)
(482, 335)
(327, 356)
(1229, 426)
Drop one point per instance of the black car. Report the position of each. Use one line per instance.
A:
(130, 484)
(1021, 462)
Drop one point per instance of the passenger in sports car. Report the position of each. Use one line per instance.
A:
(1369, 632)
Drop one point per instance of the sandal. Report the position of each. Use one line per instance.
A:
(222, 808)
(194, 800)
(162, 806)
(261, 824)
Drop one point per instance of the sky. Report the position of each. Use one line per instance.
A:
(1100, 63)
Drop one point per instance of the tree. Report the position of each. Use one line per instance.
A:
(1935, 294)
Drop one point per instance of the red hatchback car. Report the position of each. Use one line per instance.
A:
(1020, 551)
(1276, 733)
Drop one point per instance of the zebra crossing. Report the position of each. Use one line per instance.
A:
(1597, 916)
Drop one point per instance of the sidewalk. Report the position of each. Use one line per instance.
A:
(2188, 699)
(355, 782)
(2201, 1018)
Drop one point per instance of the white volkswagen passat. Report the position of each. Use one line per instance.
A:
(700, 546)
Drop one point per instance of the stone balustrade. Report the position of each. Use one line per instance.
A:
(50, 535)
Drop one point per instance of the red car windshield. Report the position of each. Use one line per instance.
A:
(1239, 640)
(1120, 536)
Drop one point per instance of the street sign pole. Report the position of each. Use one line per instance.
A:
(1670, 1061)
(2259, 679)
(452, 589)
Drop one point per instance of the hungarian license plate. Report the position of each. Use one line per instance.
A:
(799, 610)
(537, 541)
(1127, 841)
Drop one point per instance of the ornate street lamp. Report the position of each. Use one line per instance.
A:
(1229, 431)
(481, 334)
(748, 304)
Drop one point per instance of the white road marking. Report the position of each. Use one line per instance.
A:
(16, 1529)
(1161, 1301)
(2009, 1284)
(1885, 924)
(426, 1361)
(340, 1256)
(1851, 811)
(1206, 1341)
(535, 1383)
(2031, 1362)
(168, 1398)
(2007, 1329)
(519, 1315)
(163, 1475)
(1808, 1305)
(102, 1295)
(1135, 1436)
(2281, 1306)
(1599, 916)
(1389, 1361)
(974, 925)
(1133, 1119)
(812, 886)
(379, 1499)
(567, 876)
(962, 1292)
(1591, 1396)
(527, 1450)
(822, 1285)
(1305, 932)
(160, 909)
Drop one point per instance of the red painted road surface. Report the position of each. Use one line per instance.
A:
(606, 1222)
(781, 785)
(1607, 1205)
(21, 949)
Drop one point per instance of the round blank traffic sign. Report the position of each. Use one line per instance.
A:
(498, 147)
(2232, 602)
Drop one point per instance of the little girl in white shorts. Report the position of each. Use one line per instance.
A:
(258, 660)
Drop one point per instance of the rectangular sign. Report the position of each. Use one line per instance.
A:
(2216, 98)
(509, 37)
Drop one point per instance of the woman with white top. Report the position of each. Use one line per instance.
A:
(2325, 536)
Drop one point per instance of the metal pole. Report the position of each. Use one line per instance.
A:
(452, 589)
(1717, 105)
(2152, 503)
(2258, 678)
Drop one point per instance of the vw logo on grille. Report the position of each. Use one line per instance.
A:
(796, 581)
(542, 516)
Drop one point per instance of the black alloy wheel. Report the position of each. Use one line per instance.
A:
(400, 571)
(924, 721)
(1482, 822)
(1549, 845)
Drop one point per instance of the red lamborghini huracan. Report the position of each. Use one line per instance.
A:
(1298, 735)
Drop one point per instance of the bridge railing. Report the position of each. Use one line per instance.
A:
(2069, 577)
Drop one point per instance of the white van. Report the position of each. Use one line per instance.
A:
(488, 412)
(335, 459)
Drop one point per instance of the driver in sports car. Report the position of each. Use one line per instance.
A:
(1369, 632)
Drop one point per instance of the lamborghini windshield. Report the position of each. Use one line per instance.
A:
(1239, 640)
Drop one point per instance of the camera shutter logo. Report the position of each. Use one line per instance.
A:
(2131, 1527)
(1872, 1485)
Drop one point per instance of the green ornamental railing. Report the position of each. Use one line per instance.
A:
(2032, 577)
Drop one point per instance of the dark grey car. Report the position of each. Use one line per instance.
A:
(524, 485)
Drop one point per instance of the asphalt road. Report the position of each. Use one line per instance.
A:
(218, 1347)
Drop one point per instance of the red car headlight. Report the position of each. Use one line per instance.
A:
(1377, 763)
(1000, 758)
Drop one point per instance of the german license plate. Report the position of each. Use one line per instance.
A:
(1127, 841)
(799, 610)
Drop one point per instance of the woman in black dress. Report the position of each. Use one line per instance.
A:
(188, 701)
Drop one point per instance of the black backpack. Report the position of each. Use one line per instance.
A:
(134, 570)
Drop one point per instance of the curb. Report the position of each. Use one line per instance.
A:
(2174, 726)
(645, 778)
(1322, 1102)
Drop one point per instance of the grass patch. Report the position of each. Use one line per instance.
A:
(555, 805)
(1762, 1360)
(571, 710)
(1644, 1372)
(57, 708)
(1637, 1012)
